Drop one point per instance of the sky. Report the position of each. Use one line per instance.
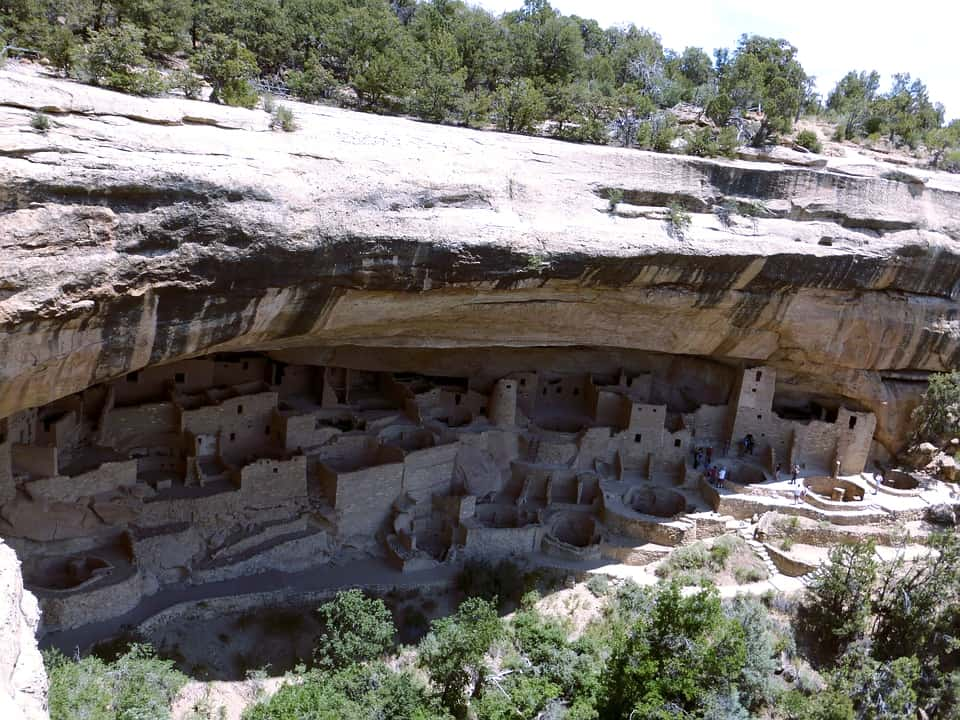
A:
(832, 36)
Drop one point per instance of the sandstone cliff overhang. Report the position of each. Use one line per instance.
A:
(140, 231)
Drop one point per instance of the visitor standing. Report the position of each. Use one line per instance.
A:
(777, 472)
(796, 474)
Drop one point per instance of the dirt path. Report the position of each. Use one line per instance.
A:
(355, 574)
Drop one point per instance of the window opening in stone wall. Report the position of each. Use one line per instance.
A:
(233, 436)
(266, 430)
(239, 409)
(759, 375)
(276, 470)
(638, 437)
(759, 417)
(179, 378)
(559, 389)
(853, 422)
(523, 381)
(576, 391)
(133, 377)
(676, 443)
(246, 365)
(509, 387)
(457, 398)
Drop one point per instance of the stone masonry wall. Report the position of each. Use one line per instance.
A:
(35, 459)
(106, 478)
(429, 471)
(363, 498)
(136, 426)
(8, 489)
(268, 482)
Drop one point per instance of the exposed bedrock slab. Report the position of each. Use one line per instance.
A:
(144, 231)
(23, 683)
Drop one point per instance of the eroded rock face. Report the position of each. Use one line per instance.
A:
(23, 683)
(143, 231)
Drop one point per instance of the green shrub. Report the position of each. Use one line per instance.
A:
(702, 143)
(115, 60)
(62, 49)
(599, 585)
(684, 559)
(187, 82)
(728, 141)
(674, 657)
(937, 417)
(519, 696)
(40, 121)
(678, 221)
(951, 161)
(138, 684)
(786, 544)
(355, 693)
(151, 81)
(228, 66)
(518, 106)
(749, 574)
(723, 548)
(837, 604)
(283, 119)
(269, 103)
(663, 136)
(313, 83)
(356, 629)
(756, 682)
(808, 139)
(453, 652)
(719, 109)
(614, 198)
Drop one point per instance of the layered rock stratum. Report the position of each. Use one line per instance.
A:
(140, 231)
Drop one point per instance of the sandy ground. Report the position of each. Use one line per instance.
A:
(220, 700)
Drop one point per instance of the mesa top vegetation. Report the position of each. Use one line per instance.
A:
(445, 61)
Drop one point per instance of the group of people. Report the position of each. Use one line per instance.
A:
(716, 475)
(702, 456)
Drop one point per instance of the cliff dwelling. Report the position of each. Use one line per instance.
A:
(223, 467)
(242, 370)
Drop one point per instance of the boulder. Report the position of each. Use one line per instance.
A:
(942, 514)
(948, 468)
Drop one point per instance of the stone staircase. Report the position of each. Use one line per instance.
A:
(746, 532)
